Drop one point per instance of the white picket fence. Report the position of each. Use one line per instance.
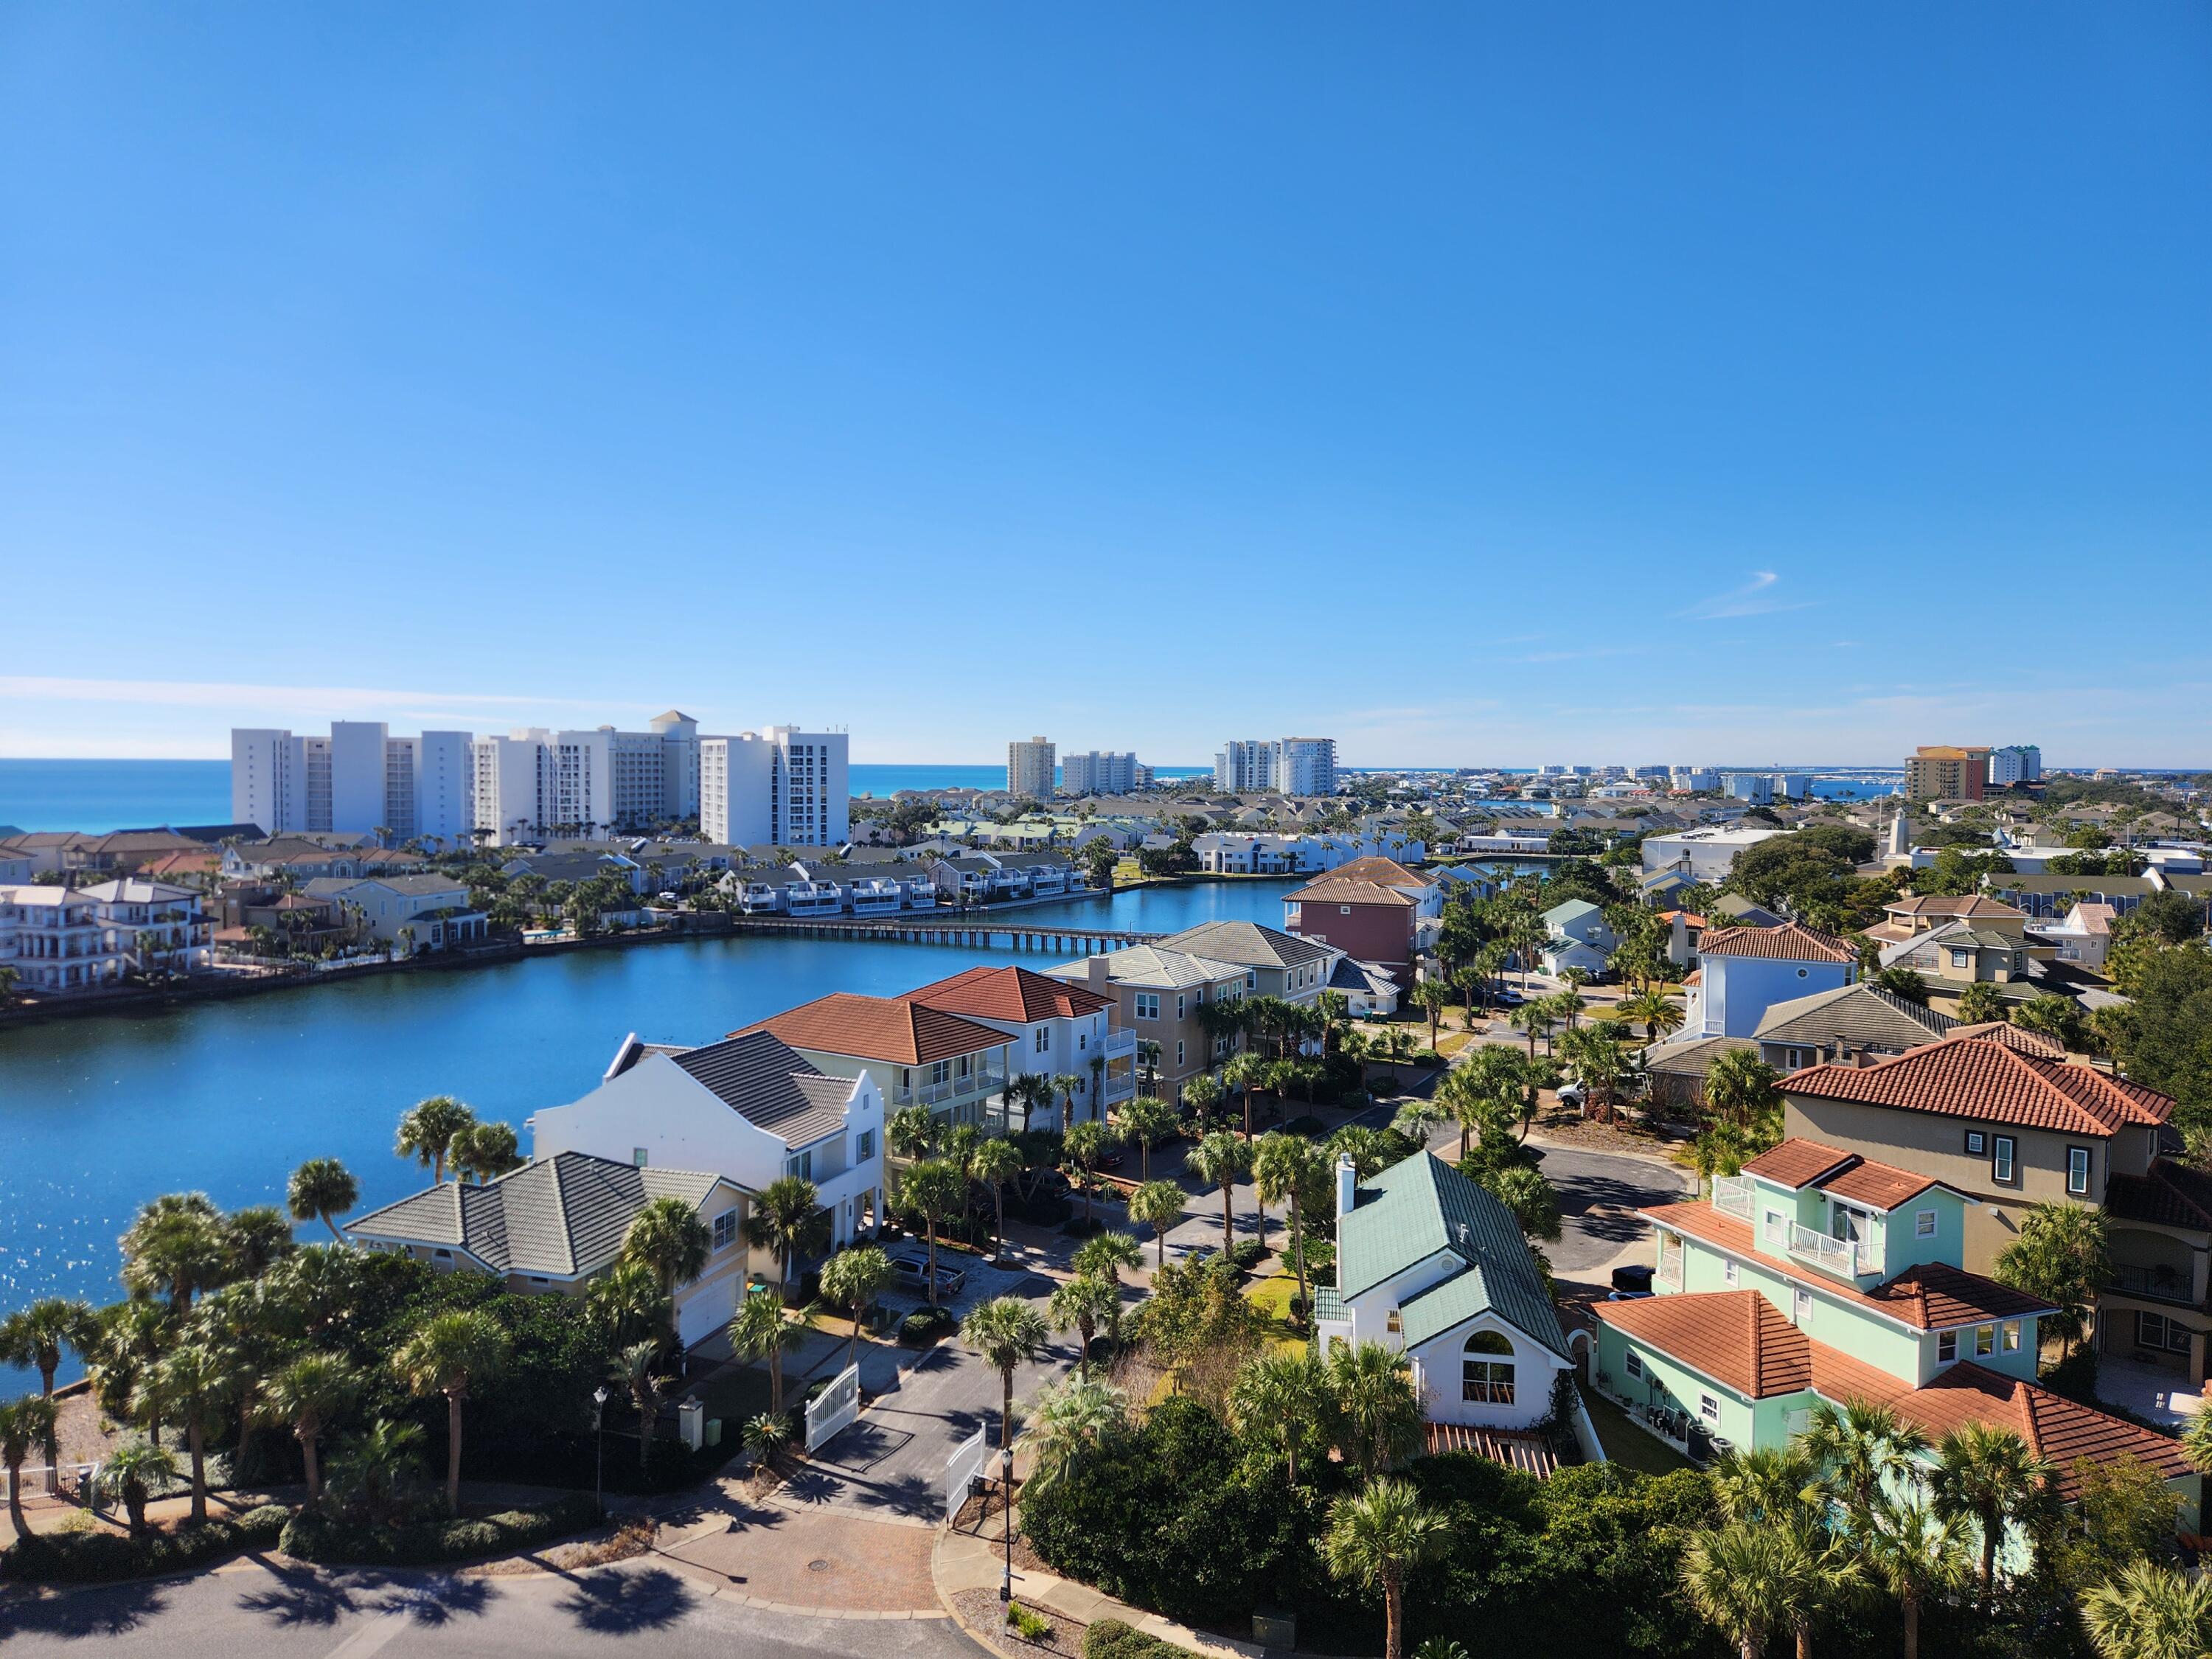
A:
(835, 1407)
(966, 1463)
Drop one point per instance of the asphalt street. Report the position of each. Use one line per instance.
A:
(639, 1607)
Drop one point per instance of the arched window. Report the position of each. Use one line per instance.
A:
(1486, 1369)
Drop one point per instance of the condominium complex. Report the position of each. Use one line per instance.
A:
(1289, 766)
(1030, 769)
(2018, 762)
(358, 778)
(1948, 772)
(782, 786)
(1101, 773)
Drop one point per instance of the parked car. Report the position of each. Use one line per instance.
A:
(1571, 1094)
(910, 1272)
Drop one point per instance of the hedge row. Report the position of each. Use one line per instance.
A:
(312, 1537)
(108, 1558)
(1110, 1639)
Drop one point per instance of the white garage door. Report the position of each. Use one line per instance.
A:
(706, 1311)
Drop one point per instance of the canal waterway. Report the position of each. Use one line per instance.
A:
(97, 1115)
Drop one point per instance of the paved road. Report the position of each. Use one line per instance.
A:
(637, 1607)
(1599, 1196)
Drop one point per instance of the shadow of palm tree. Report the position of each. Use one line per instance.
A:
(301, 1595)
(623, 1604)
(436, 1600)
(75, 1618)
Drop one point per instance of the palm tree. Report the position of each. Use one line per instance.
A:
(1432, 996)
(24, 1423)
(1860, 1447)
(2148, 1612)
(1246, 1071)
(322, 1189)
(1283, 1166)
(912, 1132)
(132, 1472)
(1655, 1010)
(1915, 1556)
(937, 1188)
(178, 1247)
(1202, 1094)
(2060, 1256)
(426, 1131)
(1377, 1537)
(853, 1279)
(1990, 1476)
(1378, 1407)
(308, 1394)
(631, 1370)
(255, 1236)
(759, 1331)
(1980, 1003)
(668, 1237)
(1067, 1421)
(197, 1379)
(1281, 1397)
(1147, 1119)
(1007, 1333)
(1082, 1304)
(788, 1221)
(1747, 1581)
(1157, 1205)
(628, 1300)
(374, 1464)
(36, 1336)
(1532, 1020)
(485, 1151)
(994, 1164)
(1741, 1088)
(1222, 1160)
(766, 1434)
(1083, 1146)
(1066, 1085)
(450, 1353)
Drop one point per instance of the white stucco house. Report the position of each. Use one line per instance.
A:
(1429, 1263)
(1578, 937)
(750, 1107)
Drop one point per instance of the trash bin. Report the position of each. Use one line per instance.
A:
(714, 1430)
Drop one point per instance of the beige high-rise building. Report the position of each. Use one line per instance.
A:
(1946, 772)
(1030, 769)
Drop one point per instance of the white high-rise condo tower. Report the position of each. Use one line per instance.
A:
(1030, 769)
(781, 787)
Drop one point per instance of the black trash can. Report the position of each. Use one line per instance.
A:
(1635, 1277)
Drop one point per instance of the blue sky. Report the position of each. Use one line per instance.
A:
(1476, 384)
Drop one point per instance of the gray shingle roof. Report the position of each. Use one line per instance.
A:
(770, 1084)
(1861, 1016)
(1420, 1206)
(1246, 942)
(563, 1217)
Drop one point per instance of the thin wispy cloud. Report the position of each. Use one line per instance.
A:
(1756, 598)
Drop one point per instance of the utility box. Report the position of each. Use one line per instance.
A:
(714, 1430)
(691, 1422)
(1275, 1627)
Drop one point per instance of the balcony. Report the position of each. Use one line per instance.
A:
(1732, 1196)
(1846, 1258)
(2154, 1283)
(1669, 1270)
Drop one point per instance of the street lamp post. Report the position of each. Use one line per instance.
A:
(600, 1452)
(1006, 1498)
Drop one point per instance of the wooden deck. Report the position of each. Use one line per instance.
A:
(1531, 1453)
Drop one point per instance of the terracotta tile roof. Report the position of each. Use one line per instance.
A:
(878, 1027)
(1740, 1339)
(1337, 889)
(1387, 871)
(1926, 1299)
(2172, 1194)
(2011, 1035)
(1791, 942)
(1879, 1186)
(1015, 994)
(1987, 1078)
(1798, 1162)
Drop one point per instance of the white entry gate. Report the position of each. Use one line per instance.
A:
(834, 1408)
(966, 1463)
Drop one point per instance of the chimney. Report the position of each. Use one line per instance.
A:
(1097, 973)
(1678, 941)
(1347, 1186)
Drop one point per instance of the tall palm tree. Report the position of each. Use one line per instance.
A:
(759, 1331)
(322, 1189)
(1083, 1304)
(25, 1423)
(1990, 1476)
(1083, 1146)
(178, 1247)
(1533, 1020)
(1068, 1421)
(632, 1370)
(1283, 1168)
(1281, 1397)
(853, 1279)
(995, 1164)
(628, 1300)
(1066, 1085)
(1433, 997)
(1147, 1119)
(197, 1381)
(37, 1336)
(1222, 1160)
(2148, 1612)
(1247, 1072)
(1741, 1088)
(256, 1237)
(1007, 1333)
(309, 1394)
(449, 1354)
(485, 1151)
(1377, 1537)
(1655, 1010)
(788, 1221)
(1157, 1205)
(426, 1131)
(1915, 1556)
(1378, 1407)
(1859, 1448)
(937, 1188)
(912, 1132)
(667, 1236)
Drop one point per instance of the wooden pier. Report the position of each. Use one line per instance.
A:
(974, 932)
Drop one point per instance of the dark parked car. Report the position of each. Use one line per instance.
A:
(1635, 1277)
(910, 1270)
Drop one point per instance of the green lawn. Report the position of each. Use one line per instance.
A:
(1272, 1296)
(1625, 1442)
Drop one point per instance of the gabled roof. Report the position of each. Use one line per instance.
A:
(1248, 943)
(1387, 872)
(1148, 967)
(1570, 910)
(1334, 889)
(761, 1078)
(878, 1027)
(2172, 1194)
(2016, 1038)
(1792, 941)
(1420, 1207)
(1957, 906)
(563, 1217)
(1856, 1016)
(1014, 994)
(1987, 1078)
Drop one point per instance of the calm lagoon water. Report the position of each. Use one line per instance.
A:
(97, 1115)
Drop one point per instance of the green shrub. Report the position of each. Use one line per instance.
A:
(104, 1557)
(312, 1536)
(1110, 1639)
(926, 1325)
(1028, 1623)
(1248, 1254)
(1314, 1129)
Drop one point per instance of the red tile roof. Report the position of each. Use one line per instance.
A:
(2172, 1194)
(1014, 994)
(1739, 1339)
(1878, 1186)
(2012, 1037)
(1389, 871)
(1808, 1164)
(878, 1027)
(1797, 1163)
(1791, 942)
(1950, 904)
(1336, 889)
(1987, 1078)
(1930, 1298)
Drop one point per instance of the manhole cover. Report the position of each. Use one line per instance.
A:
(817, 1567)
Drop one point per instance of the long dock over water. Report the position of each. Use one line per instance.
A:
(973, 933)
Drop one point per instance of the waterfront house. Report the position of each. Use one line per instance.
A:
(425, 912)
(557, 1223)
(1430, 1264)
(1161, 996)
(1818, 1274)
(1279, 964)
(916, 1055)
(1059, 1029)
(62, 940)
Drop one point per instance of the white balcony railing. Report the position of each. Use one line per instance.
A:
(1732, 1196)
(1847, 1258)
